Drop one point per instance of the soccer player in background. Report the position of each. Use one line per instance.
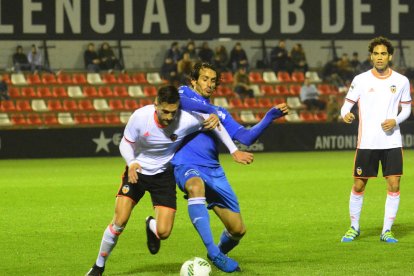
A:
(199, 174)
(379, 92)
(151, 137)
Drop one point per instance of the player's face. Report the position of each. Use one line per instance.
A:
(206, 83)
(380, 58)
(166, 112)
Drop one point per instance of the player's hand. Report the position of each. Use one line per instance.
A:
(243, 157)
(132, 172)
(388, 124)
(349, 117)
(283, 107)
(212, 122)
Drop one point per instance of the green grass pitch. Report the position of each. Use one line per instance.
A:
(295, 206)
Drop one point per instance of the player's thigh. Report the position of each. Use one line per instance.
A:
(186, 175)
(232, 221)
(165, 221)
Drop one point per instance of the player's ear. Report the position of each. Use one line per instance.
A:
(156, 101)
(390, 58)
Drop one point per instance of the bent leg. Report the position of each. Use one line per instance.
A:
(164, 221)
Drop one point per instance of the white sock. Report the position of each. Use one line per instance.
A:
(153, 226)
(109, 239)
(391, 209)
(355, 206)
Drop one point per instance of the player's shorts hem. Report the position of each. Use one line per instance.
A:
(385, 176)
(162, 206)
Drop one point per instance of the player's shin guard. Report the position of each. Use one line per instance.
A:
(109, 239)
(228, 242)
(391, 208)
(200, 218)
(355, 207)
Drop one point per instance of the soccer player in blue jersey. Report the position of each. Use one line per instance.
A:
(199, 174)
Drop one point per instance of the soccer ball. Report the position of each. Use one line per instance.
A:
(195, 267)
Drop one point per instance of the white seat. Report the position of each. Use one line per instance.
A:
(294, 103)
(18, 79)
(94, 78)
(65, 118)
(269, 77)
(124, 117)
(247, 116)
(313, 76)
(154, 78)
(75, 92)
(256, 90)
(221, 101)
(5, 120)
(39, 105)
(293, 117)
(101, 105)
(135, 91)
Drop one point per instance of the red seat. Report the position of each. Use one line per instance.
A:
(60, 92)
(96, 118)
(139, 78)
(112, 119)
(33, 79)
(105, 91)
(256, 77)
(324, 89)
(294, 89)
(50, 119)
(109, 78)
(23, 105)
(14, 92)
(34, 119)
(81, 118)
(321, 116)
(7, 106)
(268, 90)
(306, 116)
(277, 101)
(298, 76)
(63, 78)
(236, 103)
(264, 102)
(55, 105)
(124, 78)
(250, 103)
(48, 78)
(226, 77)
(281, 90)
(150, 91)
(44, 92)
(116, 104)
(79, 78)
(131, 104)
(143, 102)
(18, 119)
(70, 105)
(283, 76)
(85, 105)
(120, 91)
(90, 91)
(28, 92)
(224, 91)
(236, 116)
(6, 78)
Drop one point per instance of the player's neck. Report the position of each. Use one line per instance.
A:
(382, 73)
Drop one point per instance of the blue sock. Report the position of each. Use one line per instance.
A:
(227, 242)
(200, 218)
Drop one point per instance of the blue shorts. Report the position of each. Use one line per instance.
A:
(218, 189)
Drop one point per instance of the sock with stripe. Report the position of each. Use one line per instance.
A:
(109, 239)
(391, 208)
(355, 206)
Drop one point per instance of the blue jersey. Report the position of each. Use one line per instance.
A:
(201, 148)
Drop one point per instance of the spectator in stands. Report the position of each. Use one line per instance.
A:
(279, 57)
(190, 49)
(20, 61)
(169, 72)
(108, 59)
(173, 52)
(355, 64)
(367, 63)
(205, 54)
(184, 68)
(309, 96)
(238, 58)
(345, 70)
(298, 58)
(241, 83)
(221, 58)
(91, 58)
(4, 93)
(35, 60)
(332, 109)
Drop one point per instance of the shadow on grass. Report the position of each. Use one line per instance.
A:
(401, 230)
(159, 269)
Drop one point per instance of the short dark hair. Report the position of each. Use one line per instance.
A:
(195, 72)
(381, 41)
(168, 94)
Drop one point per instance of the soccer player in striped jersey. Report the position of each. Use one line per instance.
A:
(379, 92)
(199, 174)
(151, 137)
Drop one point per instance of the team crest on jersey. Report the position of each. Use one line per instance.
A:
(125, 189)
(359, 171)
(173, 137)
(393, 89)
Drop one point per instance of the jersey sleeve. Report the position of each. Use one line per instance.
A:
(354, 91)
(406, 93)
(131, 132)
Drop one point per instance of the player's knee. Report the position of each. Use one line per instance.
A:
(195, 187)
(163, 233)
(237, 231)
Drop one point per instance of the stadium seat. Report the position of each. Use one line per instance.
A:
(18, 79)
(279, 100)
(96, 119)
(120, 91)
(48, 78)
(94, 78)
(221, 101)
(85, 105)
(6, 78)
(283, 76)
(55, 105)
(313, 76)
(226, 77)
(293, 117)
(324, 89)
(124, 78)
(131, 104)
(294, 89)
(59, 92)
(247, 116)
(5, 120)
(34, 119)
(116, 104)
(144, 102)
(150, 91)
(70, 105)
(256, 90)
(224, 91)
(255, 77)
(33, 79)
(65, 118)
(154, 78)
(281, 90)
(321, 116)
(236, 103)
(23, 105)
(75, 92)
(79, 78)
(267, 90)
(264, 102)
(18, 119)
(44, 92)
(14, 92)
(90, 91)
(105, 92)
(64, 78)
(39, 105)
(124, 117)
(7, 106)
(139, 78)
(306, 116)
(269, 77)
(250, 103)
(236, 117)
(109, 78)
(298, 76)
(28, 92)
(294, 103)
(112, 119)
(50, 119)
(81, 118)
(101, 105)
(135, 91)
